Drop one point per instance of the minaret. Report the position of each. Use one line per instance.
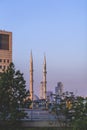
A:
(31, 77)
(41, 90)
(44, 78)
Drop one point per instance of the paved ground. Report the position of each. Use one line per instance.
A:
(39, 115)
(39, 118)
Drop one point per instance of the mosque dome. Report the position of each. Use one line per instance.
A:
(35, 98)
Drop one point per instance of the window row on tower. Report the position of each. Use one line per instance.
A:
(3, 67)
(4, 60)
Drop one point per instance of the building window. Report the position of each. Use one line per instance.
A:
(0, 60)
(4, 60)
(0, 66)
(4, 41)
(7, 61)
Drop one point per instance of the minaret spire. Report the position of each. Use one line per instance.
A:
(31, 76)
(44, 78)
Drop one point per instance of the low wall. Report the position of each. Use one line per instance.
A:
(47, 123)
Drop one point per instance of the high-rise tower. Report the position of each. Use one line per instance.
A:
(31, 77)
(44, 78)
(59, 89)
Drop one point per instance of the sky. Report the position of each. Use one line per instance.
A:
(56, 28)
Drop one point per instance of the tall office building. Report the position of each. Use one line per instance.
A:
(5, 49)
(59, 89)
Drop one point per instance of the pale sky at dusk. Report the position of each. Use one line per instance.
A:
(57, 28)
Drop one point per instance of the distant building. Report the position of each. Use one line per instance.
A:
(59, 89)
(49, 96)
(5, 49)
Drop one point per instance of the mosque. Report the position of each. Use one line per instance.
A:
(6, 59)
(43, 88)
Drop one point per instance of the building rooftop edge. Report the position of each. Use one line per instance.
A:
(5, 31)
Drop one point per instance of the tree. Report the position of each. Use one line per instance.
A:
(63, 108)
(12, 94)
(73, 109)
(80, 113)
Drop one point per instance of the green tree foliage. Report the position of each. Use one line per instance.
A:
(80, 113)
(71, 111)
(12, 94)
